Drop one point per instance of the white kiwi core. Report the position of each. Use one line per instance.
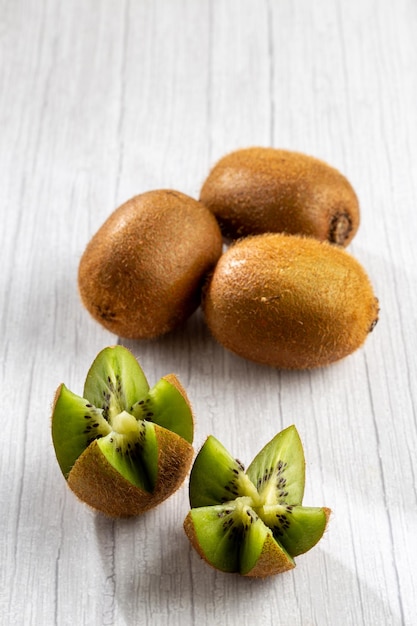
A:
(125, 424)
(263, 504)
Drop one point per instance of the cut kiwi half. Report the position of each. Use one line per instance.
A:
(123, 447)
(252, 523)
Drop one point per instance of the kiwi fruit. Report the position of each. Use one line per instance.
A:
(289, 301)
(252, 523)
(123, 447)
(141, 273)
(257, 190)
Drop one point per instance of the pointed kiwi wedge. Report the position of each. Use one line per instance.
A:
(123, 447)
(252, 523)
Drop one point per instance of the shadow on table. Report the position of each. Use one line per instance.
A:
(174, 586)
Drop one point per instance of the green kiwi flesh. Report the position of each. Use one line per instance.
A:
(278, 470)
(115, 381)
(252, 522)
(166, 400)
(217, 482)
(123, 433)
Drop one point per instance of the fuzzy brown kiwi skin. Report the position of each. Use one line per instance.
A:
(290, 302)
(141, 274)
(103, 488)
(270, 562)
(257, 190)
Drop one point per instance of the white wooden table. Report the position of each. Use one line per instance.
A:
(105, 99)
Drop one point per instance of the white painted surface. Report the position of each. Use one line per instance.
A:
(102, 100)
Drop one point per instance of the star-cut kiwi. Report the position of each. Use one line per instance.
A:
(123, 447)
(252, 522)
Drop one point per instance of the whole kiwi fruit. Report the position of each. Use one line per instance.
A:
(289, 301)
(257, 190)
(141, 273)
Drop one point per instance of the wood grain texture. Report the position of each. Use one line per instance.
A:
(102, 100)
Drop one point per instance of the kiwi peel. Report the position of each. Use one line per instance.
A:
(123, 447)
(252, 523)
